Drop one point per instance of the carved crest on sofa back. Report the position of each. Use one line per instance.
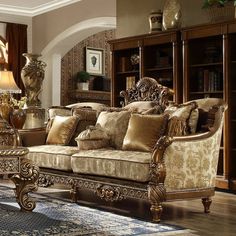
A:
(147, 89)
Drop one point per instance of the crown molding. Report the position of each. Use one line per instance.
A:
(34, 11)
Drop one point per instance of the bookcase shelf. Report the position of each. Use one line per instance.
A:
(207, 64)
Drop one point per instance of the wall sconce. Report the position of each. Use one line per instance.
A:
(7, 88)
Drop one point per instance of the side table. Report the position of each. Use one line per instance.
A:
(23, 173)
(32, 137)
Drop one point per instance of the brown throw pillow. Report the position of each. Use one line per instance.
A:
(178, 124)
(62, 130)
(144, 131)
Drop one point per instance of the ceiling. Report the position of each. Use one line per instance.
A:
(31, 7)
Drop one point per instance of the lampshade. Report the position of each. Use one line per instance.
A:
(7, 83)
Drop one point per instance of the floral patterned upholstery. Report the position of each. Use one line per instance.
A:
(192, 164)
(52, 156)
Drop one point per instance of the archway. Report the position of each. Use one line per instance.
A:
(58, 47)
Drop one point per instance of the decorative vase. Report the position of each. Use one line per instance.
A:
(17, 117)
(171, 14)
(134, 59)
(32, 75)
(83, 85)
(155, 21)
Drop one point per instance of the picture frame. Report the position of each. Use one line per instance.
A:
(94, 58)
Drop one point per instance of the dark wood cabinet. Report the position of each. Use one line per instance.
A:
(152, 55)
(209, 54)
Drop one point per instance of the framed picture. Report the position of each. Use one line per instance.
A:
(94, 61)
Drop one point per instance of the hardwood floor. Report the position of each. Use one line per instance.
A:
(188, 214)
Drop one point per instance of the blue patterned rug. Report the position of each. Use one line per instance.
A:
(62, 218)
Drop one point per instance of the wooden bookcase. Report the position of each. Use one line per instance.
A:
(209, 62)
(158, 56)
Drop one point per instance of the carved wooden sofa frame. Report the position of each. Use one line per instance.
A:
(154, 191)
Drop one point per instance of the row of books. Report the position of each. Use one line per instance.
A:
(210, 80)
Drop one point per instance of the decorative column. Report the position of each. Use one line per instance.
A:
(32, 75)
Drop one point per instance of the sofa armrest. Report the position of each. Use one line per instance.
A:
(188, 162)
(33, 137)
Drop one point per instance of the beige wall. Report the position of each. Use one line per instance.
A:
(132, 15)
(48, 25)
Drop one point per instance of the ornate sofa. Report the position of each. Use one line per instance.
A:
(175, 168)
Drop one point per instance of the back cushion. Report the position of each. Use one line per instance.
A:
(116, 124)
(86, 117)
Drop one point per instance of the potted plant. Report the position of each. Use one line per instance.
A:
(219, 10)
(83, 80)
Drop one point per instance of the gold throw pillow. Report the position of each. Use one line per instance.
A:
(62, 130)
(144, 131)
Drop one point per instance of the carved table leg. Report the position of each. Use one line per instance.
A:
(206, 203)
(26, 181)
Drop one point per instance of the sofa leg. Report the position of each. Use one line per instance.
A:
(156, 195)
(156, 212)
(206, 203)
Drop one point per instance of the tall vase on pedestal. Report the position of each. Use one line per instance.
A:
(32, 75)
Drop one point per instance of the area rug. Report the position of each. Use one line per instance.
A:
(53, 216)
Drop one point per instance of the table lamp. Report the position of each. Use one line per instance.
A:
(7, 88)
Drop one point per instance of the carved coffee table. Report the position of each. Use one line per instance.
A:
(23, 173)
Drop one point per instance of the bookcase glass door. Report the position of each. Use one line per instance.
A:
(206, 67)
(158, 61)
(127, 71)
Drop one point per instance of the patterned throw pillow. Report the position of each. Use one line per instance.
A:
(94, 137)
(178, 124)
(62, 130)
(144, 131)
(115, 123)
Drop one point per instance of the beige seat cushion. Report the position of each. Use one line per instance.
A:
(128, 165)
(52, 156)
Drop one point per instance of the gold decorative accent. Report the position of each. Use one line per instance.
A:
(26, 181)
(109, 193)
(32, 75)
